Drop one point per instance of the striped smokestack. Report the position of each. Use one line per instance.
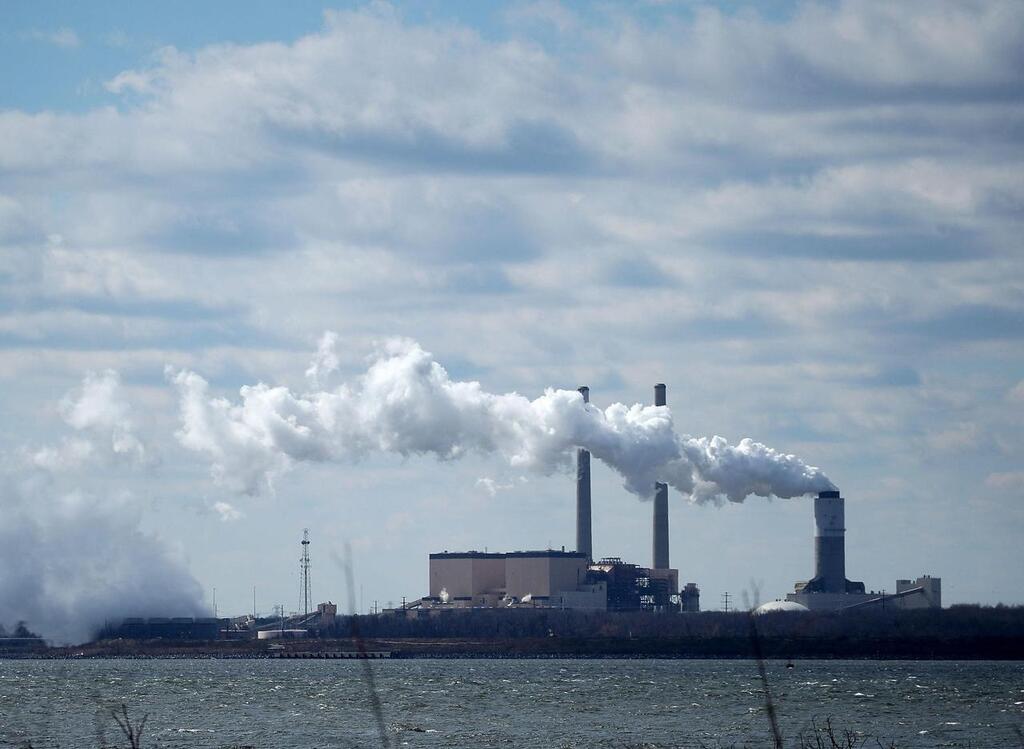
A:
(660, 535)
(584, 541)
(830, 542)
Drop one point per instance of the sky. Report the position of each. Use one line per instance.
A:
(804, 218)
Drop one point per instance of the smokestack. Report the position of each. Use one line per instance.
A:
(584, 541)
(829, 542)
(660, 535)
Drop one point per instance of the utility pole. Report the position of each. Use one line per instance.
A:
(725, 602)
(254, 603)
(304, 562)
(214, 603)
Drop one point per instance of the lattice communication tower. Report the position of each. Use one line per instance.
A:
(304, 562)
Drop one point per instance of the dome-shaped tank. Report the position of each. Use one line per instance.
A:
(773, 606)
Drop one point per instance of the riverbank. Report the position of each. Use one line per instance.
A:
(958, 633)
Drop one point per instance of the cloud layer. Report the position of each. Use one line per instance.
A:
(804, 219)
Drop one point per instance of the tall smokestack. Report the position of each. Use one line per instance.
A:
(584, 541)
(660, 536)
(829, 542)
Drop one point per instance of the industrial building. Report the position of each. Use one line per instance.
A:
(532, 578)
(830, 590)
(565, 579)
(572, 579)
(550, 578)
(176, 628)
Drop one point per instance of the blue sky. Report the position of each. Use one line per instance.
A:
(99, 40)
(805, 218)
(95, 41)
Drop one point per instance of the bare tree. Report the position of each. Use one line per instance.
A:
(131, 732)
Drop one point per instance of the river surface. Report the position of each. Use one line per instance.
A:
(506, 703)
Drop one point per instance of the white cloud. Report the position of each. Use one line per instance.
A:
(227, 511)
(1006, 481)
(63, 37)
(544, 12)
(326, 360)
(491, 487)
(99, 413)
(70, 454)
(956, 438)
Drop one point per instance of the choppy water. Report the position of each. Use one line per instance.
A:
(506, 703)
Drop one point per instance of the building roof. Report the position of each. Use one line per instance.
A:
(467, 555)
(548, 553)
(543, 554)
(774, 606)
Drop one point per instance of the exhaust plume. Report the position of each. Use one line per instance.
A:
(406, 403)
(101, 418)
(70, 560)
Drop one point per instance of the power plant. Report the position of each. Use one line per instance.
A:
(564, 579)
(575, 580)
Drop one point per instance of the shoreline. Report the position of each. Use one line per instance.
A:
(775, 649)
(485, 657)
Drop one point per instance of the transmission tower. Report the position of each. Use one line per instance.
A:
(304, 561)
(725, 602)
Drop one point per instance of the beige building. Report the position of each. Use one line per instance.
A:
(543, 574)
(467, 576)
(548, 578)
(924, 592)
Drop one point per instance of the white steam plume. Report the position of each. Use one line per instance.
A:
(406, 403)
(101, 417)
(71, 562)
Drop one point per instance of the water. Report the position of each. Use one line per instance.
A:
(506, 703)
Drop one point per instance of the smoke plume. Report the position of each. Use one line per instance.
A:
(405, 403)
(71, 560)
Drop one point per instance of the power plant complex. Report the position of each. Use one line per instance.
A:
(575, 580)
(565, 579)
(571, 579)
